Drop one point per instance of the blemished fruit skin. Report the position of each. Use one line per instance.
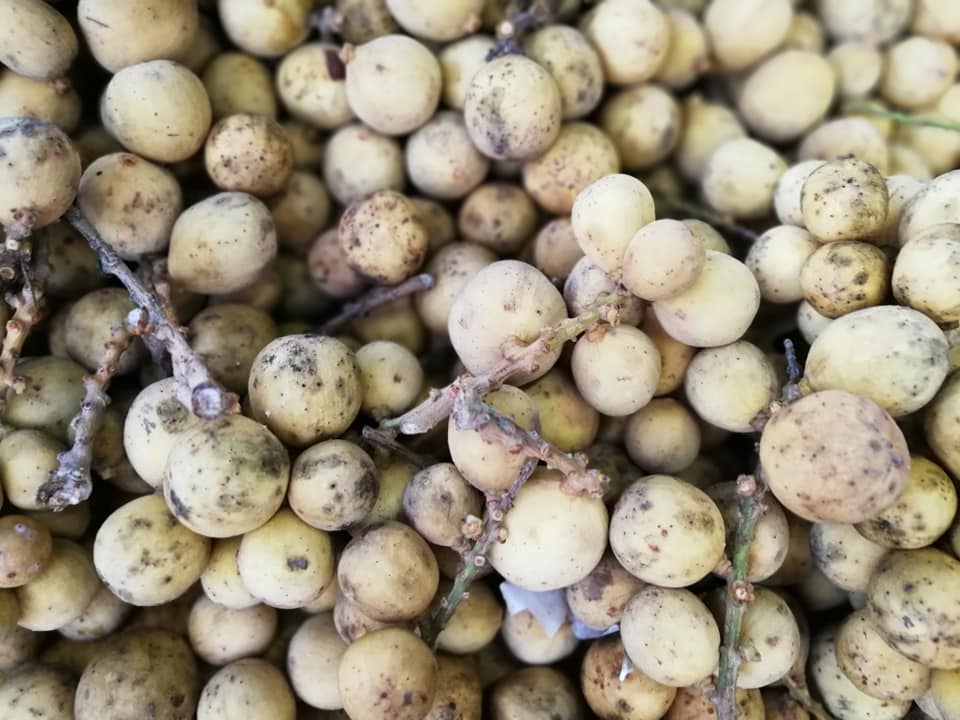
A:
(479, 360)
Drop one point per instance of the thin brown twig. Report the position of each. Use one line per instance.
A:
(471, 413)
(517, 358)
(510, 32)
(72, 482)
(28, 308)
(196, 388)
(375, 298)
(797, 687)
(386, 441)
(739, 593)
(476, 557)
(676, 204)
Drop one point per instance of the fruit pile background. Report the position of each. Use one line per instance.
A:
(479, 359)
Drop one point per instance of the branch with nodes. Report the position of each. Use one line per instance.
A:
(518, 358)
(385, 440)
(27, 304)
(196, 388)
(71, 483)
(471, 413)
(373, 299)
(751, 490)
(490, 532)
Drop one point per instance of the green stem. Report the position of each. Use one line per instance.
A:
(868, 108)
(739, 595)
(475, 558)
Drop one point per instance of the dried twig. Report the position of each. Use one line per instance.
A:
(471, 413)
(750, 491)
(71, 483)
(517, 358)
(375, 298)
(27, 305)
(678, 205)
(869, 108)
(797, 687)
(196, 388)
(510, 32)
(476, 557)
(387, 441)
(28, 308)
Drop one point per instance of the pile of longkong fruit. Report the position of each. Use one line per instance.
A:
(462, 359)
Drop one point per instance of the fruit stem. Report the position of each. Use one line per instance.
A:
(471, 413)
(511, 31)
(797, 687)
(476, 557)
(518, 358)
(28, 307)
(385, 440)
(739, 594)
(196, 388)
(675, 203)
(868, 108)
(71, 483)
(375, 298)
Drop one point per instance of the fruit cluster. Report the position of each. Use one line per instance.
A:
(462, 359)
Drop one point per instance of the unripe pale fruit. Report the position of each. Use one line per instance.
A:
(574, 64)
(581, 154)
(382, 238)
(844, 200)
(221, 244)
(286, 563)
(121, 34)
(393, 84)
(157, 109)
(35, 40)
(388, 673)
(717, 309)
(132, 203)
(847, 466)
(310, 82)
(631, 36)
(663, 260)
(204, 487)
(268, 28)
(644, 122)
(725, 20)
(687, 552)
(513, 108)
(740, 176)
(389, 572)
(145, 556)
(261, 690)
(607, 214)
(39, 175)
(618, 371)
(305, 388)
(554, 538)
(239, 83)
(901, 375)
(527, 302)
(249, 153)
(441, 23)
